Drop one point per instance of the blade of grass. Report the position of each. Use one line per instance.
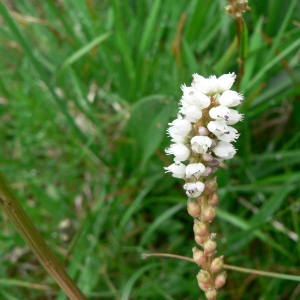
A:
(131, 281)
(85, 49)
(40, 70)
(279, 35)
(272, 63)
(159, 221)
(149, 28)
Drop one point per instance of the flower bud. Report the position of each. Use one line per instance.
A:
(217, 264)
(211, 294)
(220, 279)
(203, 277)
(211, 185)
(209, 213)
(203, 130)
(199, 239)
(207, 171)
(214, 163)
(213, 143)
(207, 157)
(193, 208)
(199, 256)
(210, 245)
(200, 228)
(213, 199)
(204, 286)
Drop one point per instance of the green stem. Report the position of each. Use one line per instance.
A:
(229, 267)
(25, 227)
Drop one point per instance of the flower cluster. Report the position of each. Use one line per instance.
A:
(202, 135)
(202, 132)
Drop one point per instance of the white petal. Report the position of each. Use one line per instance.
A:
(194, 170)
(193, 97)
(207, 86)
(222, 131)
(224, 150)
(192, 113)
(194, 190)
(181, 127)
(200, 144)
(180, 151)
(221, 112)
(230, 98)
(177, 169)
(225, 82)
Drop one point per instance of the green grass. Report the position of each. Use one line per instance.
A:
(87, 89)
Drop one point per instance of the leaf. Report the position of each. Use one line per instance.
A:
(160, 220)
(147, 125)
(85, 49)
(128, 287)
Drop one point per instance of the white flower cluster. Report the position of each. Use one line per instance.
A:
(202, 133)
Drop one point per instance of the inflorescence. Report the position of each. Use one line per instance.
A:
(202, 135)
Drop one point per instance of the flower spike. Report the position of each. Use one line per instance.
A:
(202, 136)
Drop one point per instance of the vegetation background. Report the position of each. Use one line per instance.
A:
(87, 89)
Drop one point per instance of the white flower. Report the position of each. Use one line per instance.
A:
(224, 150)
(225, 82)
(192, 113)
(200, 144)
(194, 190)
(208, 86)
(177, 169)
(180, 151)
(222, 131)
(220, 112)
(178, 139)
(230, 98)
(193, 97)
(194, 170)
(180, 127)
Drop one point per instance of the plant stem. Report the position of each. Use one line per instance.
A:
(27, 230)
(229, 267)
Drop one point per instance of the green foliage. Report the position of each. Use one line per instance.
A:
(86, 91)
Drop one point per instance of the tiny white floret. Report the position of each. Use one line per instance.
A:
(181, 127)
(230, 99)
(180, 151)
(224, 150)
(222, 131)
(225, 82)
(194, 190)
(221, 112)
(200, 144)
(194, 170)
(177, 169)
(192, 113)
